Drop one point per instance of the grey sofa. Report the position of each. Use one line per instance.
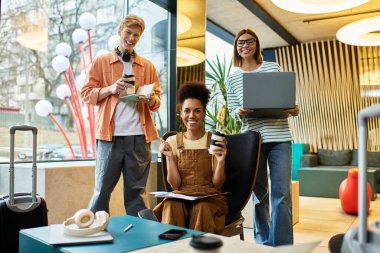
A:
(320, 174)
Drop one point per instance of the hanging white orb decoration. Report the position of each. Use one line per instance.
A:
(63, 49)
(113, 42)
(87, 21)
(79, 81)
(101, 52)
(60, 63)
(43, 108)
(79, 36)
(63, 91)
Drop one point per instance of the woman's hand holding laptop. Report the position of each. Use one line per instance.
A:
(293, 111)
(244, 112)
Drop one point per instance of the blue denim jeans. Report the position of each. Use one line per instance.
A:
(127, 155)
(277, 228)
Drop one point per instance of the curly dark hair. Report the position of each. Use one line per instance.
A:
(196, 90)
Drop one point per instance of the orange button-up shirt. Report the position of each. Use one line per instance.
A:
(105, 71)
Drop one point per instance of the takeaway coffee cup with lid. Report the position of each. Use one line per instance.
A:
(216, 136)
(205, 244)
(131, 80)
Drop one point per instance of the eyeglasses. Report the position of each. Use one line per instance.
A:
(249, 42)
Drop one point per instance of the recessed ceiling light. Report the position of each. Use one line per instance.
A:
(317, 6)
(363, 32)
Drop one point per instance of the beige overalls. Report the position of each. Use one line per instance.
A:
(208, 214)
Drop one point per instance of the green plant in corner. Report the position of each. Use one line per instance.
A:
(218, 116)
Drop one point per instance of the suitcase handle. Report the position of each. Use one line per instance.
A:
(12, 131)
(23, 128)
(363, 116)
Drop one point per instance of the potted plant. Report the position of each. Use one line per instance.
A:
(218, 116)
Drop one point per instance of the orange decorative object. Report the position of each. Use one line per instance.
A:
(348, 192)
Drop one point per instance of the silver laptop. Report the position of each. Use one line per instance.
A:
(269, 93)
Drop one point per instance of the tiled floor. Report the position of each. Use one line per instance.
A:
(321, 218)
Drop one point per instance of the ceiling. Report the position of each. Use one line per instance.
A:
(195, 36)
(276, 27)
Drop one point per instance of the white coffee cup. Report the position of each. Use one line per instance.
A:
(205, 244)
(217, 136)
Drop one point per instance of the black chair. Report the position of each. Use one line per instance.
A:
(243, 152)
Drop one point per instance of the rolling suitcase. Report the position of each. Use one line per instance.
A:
(363, 239)
(20, 210)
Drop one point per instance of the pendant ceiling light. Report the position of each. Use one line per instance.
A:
(189, 56)
(183, 24)
(363, 32)
(317, 6)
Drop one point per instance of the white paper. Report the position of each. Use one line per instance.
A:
(164, 194)
(145, 90)
(298, 248)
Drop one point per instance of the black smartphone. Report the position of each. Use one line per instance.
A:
(172, 234)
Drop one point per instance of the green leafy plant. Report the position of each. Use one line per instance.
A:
(180, 127)
(218, 116)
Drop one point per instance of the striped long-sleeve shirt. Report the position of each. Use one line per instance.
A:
(271, 130)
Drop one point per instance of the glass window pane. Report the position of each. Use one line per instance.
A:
(153, 45)
(216, 49)
(30, 32)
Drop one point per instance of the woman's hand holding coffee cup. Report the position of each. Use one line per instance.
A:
(220, 152)
(218, 145)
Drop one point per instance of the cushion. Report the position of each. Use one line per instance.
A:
(354, 160)
(310, 160)
(373, 159)
(335, 158)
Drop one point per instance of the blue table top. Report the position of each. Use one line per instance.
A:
(143, 234)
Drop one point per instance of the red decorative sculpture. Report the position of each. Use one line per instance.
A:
(348, 192)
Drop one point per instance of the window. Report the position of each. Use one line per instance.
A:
(216, 48)
(30, 32)
(103, 14)
(153, 45)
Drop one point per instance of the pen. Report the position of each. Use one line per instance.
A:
(128, 228)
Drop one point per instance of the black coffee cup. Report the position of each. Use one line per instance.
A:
(130, 79)
(215, 137)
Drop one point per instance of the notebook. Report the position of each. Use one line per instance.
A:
(163, 194)
(269, 93)
(141, 92)
(57, 237)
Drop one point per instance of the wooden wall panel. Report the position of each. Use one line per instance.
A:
(334, 81)
(191, 73)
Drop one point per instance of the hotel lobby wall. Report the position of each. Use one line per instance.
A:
(330, 78)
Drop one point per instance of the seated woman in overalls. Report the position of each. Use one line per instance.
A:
(192, 170)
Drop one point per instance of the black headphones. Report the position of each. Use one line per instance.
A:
(125, 56)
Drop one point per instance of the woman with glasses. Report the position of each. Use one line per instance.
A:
(275, 228)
